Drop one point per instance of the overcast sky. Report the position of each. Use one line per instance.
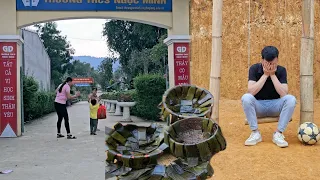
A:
(85, 36)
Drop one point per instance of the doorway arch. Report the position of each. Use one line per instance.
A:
(170, 14)
(163, 20)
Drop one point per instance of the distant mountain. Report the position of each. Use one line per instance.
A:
(95, 61)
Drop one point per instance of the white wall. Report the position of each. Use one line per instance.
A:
(35, 58)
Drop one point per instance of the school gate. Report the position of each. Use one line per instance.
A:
(15, 14)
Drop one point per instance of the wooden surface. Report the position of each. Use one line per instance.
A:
(306, 62)
(216, 54)
(265, 120)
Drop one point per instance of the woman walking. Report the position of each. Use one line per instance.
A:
(62, 95)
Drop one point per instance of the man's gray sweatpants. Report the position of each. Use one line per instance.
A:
(282, 107)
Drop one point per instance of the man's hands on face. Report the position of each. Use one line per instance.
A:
(266, 67)
(269, 69)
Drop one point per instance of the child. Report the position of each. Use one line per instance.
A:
(94, 106)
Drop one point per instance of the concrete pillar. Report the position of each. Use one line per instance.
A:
(113, 106)
(10, 93)
(118, 110)
(178, 41)
(108, 106)
(8, 18)
(11, 53)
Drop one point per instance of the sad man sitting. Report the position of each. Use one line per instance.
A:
(268, 97)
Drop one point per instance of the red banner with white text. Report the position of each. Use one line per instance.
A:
(181, 63)
(88, 80)
(8, 89)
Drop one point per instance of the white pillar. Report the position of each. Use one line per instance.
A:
(112, 107)
(108, 106)
(118, 110)
(126, 114)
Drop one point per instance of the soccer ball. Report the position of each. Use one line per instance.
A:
(308, 133)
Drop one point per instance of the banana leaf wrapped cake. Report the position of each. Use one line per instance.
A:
(139, 152)
(133, 147)
(176, 170)
(186, 101)
(195, 139)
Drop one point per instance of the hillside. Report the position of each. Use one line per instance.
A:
(95, 61)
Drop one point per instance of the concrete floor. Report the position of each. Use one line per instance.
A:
(39, 155)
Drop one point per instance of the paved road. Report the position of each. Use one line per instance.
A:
(39, 155)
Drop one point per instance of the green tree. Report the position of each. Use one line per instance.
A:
(151, 60)
(159, 56)
(140, 62)
(58, 49)
(81, 69)
(118, 75)
(105, 72)
(125, 37)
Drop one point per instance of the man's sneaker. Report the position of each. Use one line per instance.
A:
(278, 139)
(254, 138)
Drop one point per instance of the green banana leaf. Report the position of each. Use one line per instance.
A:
(122, 130)
(172, 132)
(178, 169)
(121, 171)
(173, 174)
(111, 155)
(198, 93)
(201, 171)
(166, 137)
(138, 162)
(134, 174)
(110, 167)
(191, 92)
(205, 125)
(204, 150)
(210, 126)
(214, 145)
(178, 149)
(146, 175)
(184, 94)
(171, 145)
(191, 150)
(204, 99)
(200, 110)
(207, 103)
(117, 136)
(126, 160)
(192, 161)
(111, 142)
(178, 90)
(221, 139)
